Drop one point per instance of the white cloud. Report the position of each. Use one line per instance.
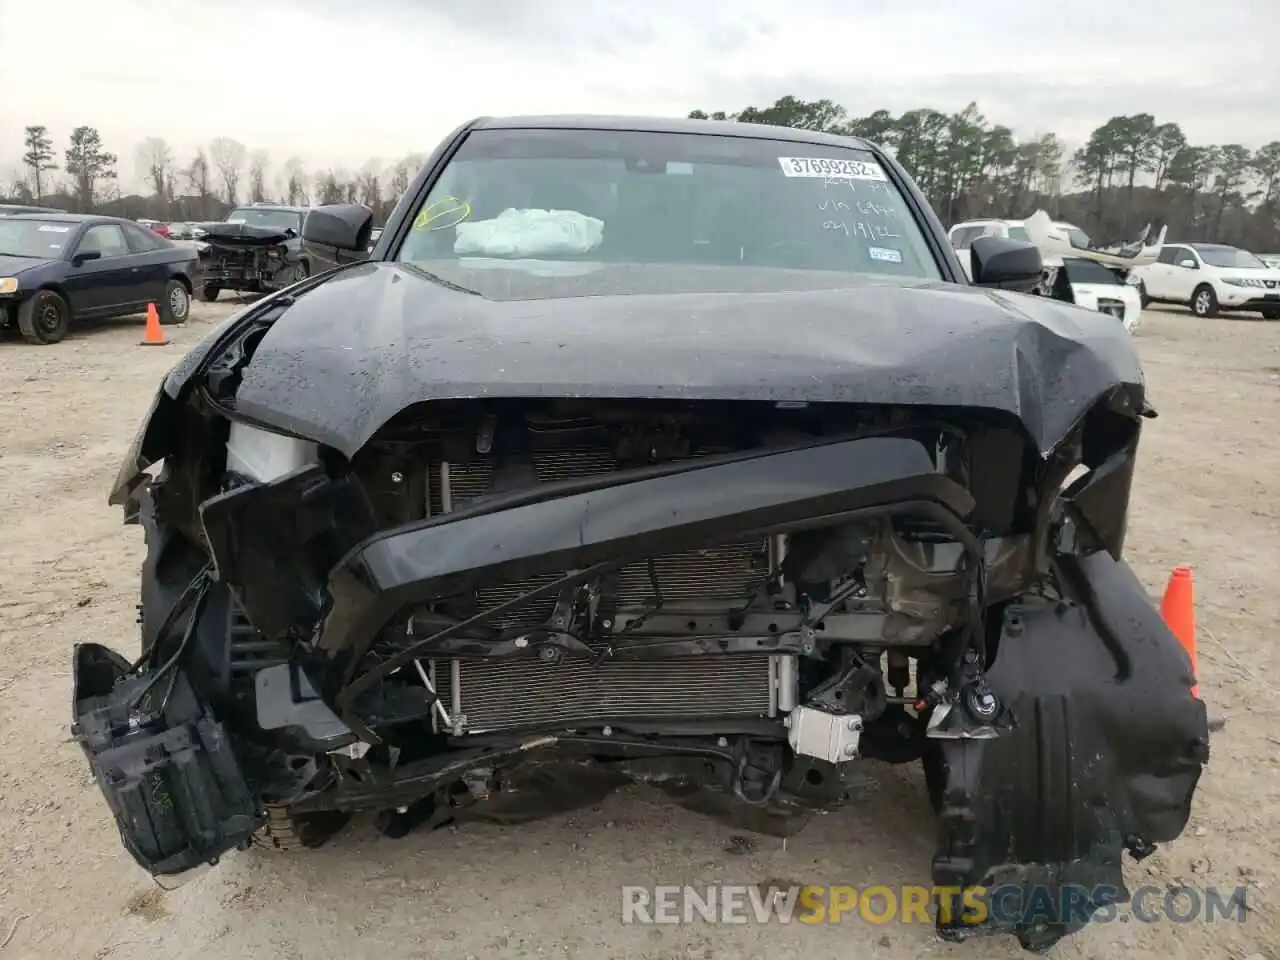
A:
(336, 82)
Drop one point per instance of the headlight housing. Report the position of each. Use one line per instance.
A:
(8, 285)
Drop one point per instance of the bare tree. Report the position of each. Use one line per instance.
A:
(402, 174)
(155, 157)
(258, 176)
(369, 184)
(197, 176)
(229, 159)
(38, 157)
(16, 187)
(295, 182)
(329, 189)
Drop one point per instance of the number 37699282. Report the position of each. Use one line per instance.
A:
(828, 167)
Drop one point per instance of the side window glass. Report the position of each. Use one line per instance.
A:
(106, 239)
(1168, 255)
(140, 240)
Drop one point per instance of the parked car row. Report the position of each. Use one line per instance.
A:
(1209, 278)
(1072, 279)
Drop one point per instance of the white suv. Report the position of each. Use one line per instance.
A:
(1210, 278)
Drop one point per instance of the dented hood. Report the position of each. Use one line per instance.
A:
(357, 346)
(372, 340)
(244, 234)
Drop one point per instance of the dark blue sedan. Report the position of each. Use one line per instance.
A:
(57, 268)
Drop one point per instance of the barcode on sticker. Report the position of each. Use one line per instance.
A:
(886, 254)
(825, 168)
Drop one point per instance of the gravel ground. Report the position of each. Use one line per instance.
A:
(1208, 493)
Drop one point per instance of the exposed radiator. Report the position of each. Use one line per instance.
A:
(487, 696)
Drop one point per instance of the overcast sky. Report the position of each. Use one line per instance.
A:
(336, 82)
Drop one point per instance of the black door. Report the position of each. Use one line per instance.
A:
(152, 256)
(105, 278)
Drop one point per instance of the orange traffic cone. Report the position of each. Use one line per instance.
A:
(1178, 608)
(155, 336)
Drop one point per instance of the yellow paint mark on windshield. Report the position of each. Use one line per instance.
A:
(442, 214)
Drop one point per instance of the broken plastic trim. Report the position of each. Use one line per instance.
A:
(170, 777)
(1108, 749)
(599, 529)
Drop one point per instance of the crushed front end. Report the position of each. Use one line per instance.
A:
(752, 600)
(236, 256)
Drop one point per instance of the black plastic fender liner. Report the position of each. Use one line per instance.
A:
(171, 780)
(677, 510)
(1107, 751)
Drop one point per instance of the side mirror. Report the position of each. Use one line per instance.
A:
(80, 259)
(336, 234)
(1188, 265)
(1005, 264)
(344, 226)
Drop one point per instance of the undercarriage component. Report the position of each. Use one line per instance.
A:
(165, 765)
(832, 737)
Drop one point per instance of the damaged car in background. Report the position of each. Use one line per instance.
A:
(257, 249)
(671, 451)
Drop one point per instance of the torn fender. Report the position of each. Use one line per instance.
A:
(1105, 758)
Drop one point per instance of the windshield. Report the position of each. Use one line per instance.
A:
(616, 209)
(34, 238)
(1086, 271)
(1230, 257)
(260, 217)
(1077, 237)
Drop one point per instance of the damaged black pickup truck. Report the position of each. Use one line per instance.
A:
(257, 249)
(669, 450)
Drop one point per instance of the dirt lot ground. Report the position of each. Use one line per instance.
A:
(1208, 493)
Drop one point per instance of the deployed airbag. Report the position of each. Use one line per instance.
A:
(530, 233)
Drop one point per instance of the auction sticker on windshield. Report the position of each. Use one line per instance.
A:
(825, 168)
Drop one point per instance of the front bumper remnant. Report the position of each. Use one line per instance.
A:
(164, 764)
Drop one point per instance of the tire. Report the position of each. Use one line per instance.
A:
(285, 832)
(1204, 302)
(1143, 299)
(300, 272)
(209, 292)
(44, 318)
(176, 305)
(1271, 313)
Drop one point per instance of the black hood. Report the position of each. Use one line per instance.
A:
(370, 341)
(244, 234)
(13, 266)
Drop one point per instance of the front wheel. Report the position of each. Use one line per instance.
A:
(1204, 302)
(209, 292)
(176, 305)
(1271, 313)
(300, 272)
(44, 318)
